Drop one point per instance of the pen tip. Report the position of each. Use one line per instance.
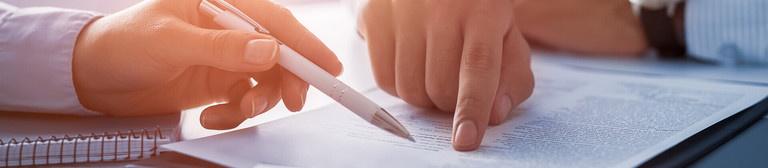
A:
(403, 134)
(384, 120)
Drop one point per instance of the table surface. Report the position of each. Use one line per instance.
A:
(748, 149)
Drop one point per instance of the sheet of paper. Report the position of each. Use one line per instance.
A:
(573, 119)
(754, 74)
(650, 64)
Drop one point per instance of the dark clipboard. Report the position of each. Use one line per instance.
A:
(697, 146)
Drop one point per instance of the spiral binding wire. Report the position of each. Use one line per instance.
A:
(104, 138)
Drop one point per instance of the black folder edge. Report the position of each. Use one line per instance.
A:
(700, 144)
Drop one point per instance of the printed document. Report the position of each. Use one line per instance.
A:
(573, 119)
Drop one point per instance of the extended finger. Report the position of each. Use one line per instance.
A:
(478, 78)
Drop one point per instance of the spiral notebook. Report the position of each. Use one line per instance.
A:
(42, 139)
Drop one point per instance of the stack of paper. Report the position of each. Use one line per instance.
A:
(573, 119)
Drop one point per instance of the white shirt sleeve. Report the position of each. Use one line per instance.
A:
(36, 46)
(731, 32)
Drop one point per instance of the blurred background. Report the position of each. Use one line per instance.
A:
(110, 6)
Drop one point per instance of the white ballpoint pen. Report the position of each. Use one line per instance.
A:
(230, 17)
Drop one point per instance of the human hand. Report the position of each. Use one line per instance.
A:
(588, 26)
(164, 56)
(462, 56)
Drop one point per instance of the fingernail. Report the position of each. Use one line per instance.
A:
(202, 120)
(304, 95)
(258, 105)
(302, 98)
(260, 50)
(208, 120)
(502, 105)
(466, 134)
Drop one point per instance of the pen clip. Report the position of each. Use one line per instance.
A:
(214, 9)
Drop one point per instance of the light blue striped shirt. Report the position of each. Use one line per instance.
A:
(728, 31)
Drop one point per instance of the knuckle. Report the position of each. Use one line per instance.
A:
(217, 40)
(418, 102)
(471, 104)
(445, 104)
(443, 96)
(414, 95)
(528, 88)
(467, 102)
(520, 89)
(388, 87)
(278, 14)
(386, 83)
(304, 39)
(282, 10)
(391, 91)
(478, 58)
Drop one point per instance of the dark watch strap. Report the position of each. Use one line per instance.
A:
(660, 33)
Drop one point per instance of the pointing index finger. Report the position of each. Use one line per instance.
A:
(478, 82)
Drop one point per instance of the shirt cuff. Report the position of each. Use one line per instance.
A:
(36, 50)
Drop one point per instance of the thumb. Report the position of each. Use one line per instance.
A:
(231, 50)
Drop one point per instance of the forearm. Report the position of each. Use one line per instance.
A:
(36, 46)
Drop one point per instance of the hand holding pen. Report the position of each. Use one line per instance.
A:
(164, 56)
(229, 17)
